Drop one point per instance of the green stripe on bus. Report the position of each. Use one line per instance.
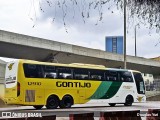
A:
(101, 90)
(106, 90)
(112, 90)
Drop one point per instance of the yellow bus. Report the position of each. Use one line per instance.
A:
(53, 85)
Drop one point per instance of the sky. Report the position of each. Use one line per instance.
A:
(26, 17)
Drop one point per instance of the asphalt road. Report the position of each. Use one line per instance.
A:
(63, 114)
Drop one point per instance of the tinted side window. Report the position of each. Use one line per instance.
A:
(125, 76)
(64, 73)
(111, 75)
(96, 74)
(33, 71)
(81, 74)
(49, 71)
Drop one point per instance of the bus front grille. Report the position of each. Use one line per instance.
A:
(30, 96)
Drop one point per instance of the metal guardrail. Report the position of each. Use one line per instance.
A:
(152, 93)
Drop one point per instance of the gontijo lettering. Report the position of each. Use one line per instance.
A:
(73, 84)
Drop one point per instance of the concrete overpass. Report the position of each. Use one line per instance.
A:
(15, 45)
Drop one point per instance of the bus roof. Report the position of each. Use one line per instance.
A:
(77, 65)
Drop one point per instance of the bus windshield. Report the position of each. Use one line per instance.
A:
(139, 83)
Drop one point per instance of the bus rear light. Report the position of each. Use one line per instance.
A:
(18, 89)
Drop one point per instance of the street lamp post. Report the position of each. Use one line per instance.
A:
(125, 61)
(135, 41)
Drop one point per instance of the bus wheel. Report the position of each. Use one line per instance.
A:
(129, 100)
(112, 104)
(52, 102)
(66, 102)
(38, 106)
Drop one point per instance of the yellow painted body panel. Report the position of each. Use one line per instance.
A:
(10, 97)
(47, 87)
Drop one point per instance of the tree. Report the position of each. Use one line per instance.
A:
(146, 11)
(143, 11)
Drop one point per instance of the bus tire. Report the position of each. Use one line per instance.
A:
(38, 107)
(52, 102)
(129, 100)
(66, 102)
(112, 104)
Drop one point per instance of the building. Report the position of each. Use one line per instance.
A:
(149, 81)
(156, 58)
(157, 83)
(114, 44)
